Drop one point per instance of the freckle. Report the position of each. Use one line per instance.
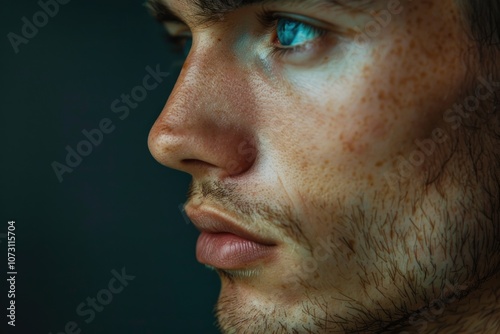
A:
(391, 80)
(379, 163)
(366, 69)
(349, 146)
(219, 39)
(398, 51)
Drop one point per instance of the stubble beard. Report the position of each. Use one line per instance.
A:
(435, 241)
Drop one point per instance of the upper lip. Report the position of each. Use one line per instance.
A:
(211, 221)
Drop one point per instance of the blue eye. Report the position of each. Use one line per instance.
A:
(292, 33)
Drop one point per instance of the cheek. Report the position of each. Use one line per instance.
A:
(389, 94)
(348, 121)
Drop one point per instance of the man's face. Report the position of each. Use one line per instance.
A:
(328, 132)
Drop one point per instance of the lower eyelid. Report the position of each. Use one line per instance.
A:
(305, 54)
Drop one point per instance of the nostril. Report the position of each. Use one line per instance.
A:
(195, 163)
(231, 167)
(198, 168)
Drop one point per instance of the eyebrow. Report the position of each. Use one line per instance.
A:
(211, 10)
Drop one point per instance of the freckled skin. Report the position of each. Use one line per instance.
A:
(326, 132)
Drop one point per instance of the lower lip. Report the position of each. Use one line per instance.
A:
(229, 251)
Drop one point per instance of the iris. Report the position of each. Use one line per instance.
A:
(293, 33)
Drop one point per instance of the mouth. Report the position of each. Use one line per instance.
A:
(225, 245)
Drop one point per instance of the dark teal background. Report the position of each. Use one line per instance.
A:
(119, 207)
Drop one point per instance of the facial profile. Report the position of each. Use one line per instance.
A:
(345, 161)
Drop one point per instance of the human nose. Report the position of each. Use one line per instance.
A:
(206, 125)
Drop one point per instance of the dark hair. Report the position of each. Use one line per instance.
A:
(483, 20)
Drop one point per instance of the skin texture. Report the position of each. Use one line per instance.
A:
(323, 151)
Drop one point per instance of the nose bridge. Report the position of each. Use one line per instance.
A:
(206, 123)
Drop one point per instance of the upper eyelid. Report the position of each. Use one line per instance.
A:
(317, 23)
